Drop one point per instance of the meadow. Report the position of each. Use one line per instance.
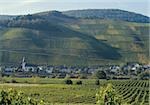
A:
(55, 92)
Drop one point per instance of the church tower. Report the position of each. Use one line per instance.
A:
(23, 64)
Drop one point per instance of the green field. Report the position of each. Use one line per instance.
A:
(133, 92)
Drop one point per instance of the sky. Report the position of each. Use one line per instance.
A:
(21, 7)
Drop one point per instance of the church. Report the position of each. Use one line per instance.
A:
(27, 67)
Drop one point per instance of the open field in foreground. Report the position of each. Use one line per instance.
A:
(55, 92)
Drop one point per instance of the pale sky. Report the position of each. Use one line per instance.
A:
(16, 7)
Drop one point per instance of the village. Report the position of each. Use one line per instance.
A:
(130, 70)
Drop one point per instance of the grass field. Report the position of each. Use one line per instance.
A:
(55, 92)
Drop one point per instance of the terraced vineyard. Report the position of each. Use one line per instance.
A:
(133, 92)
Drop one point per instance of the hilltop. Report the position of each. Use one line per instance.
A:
(113, 14)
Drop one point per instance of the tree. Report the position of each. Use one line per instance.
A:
(79, 82)
(100, 74)
(145, 75)
(68, 81)
(108, 96)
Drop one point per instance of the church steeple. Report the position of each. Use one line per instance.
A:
(23, 64)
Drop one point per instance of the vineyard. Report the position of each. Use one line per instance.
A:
(133, 92)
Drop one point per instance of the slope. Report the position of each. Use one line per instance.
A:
(132, 39)
(47, 46)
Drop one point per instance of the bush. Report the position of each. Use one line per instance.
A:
(107, 95)
(97, 82)
(100, 74)
(79, 82)
(145, 75)
(68, 81)
(13, 97)
(13, 81)
(83, 76)
(26, 82)
(108, 78)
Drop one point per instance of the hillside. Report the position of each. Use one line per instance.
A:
(131, 39)
(114, 14)
(55, 38)
(55, 17)
(43, 42)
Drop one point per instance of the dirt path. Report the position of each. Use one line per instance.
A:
(18, 84)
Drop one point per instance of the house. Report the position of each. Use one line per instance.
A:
(30, 68)
(8, 71)
(146, 67)
(115, 69)
(49, 70)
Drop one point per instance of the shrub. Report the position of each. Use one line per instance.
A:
(68, 81)
(26, 82)
(97, 82)
(83, 76)
(7, 82)
(100, 74)
(79, 82)
(13, 97)
(108, 96)
(13, 81)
